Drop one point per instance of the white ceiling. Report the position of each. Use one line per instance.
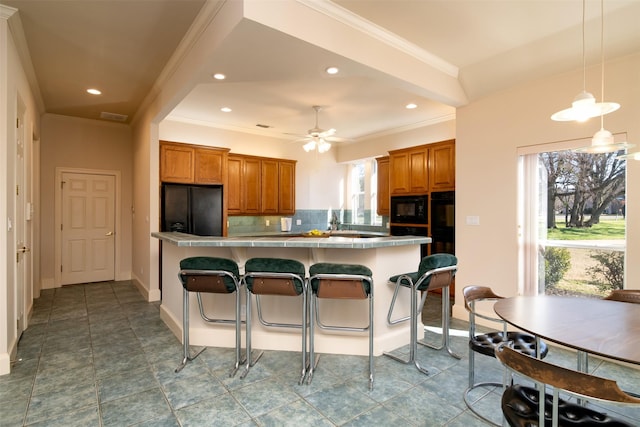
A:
(275, 79)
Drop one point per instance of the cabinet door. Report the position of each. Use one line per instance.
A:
(269, 174)
(442, 167)
(287, 187)
(251, 187)
(383, 186)
(176, 163)
(209, 166)
(234, 185)
(399, 170)
(419, 176)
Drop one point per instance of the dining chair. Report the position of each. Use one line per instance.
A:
(624, 295)
(486, 343)
(523, 405)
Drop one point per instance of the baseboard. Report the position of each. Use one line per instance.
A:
(149, 295)
(48, 284)
(5, 364)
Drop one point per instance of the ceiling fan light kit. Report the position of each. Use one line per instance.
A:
(317, 136)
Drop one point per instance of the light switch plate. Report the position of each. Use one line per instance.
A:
(473, 220)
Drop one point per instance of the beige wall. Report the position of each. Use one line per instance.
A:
(84, 144)
(489, 133)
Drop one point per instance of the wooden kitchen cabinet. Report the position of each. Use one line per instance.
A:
(192, 164)
(210, 165)
(408, 172)
(287, 187)
(259, 185)
(176, 163)
(243, 185)
(269, 184)
(383, 186)
(442, 166)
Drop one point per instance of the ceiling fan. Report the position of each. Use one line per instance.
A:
(317, 137)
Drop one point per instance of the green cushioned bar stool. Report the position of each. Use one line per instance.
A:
(215, 276)
(339, 281)
(434, 272)
(281, 277)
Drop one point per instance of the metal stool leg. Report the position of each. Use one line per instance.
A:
(445, 321)
(185, 333)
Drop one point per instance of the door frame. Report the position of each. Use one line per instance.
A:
(58, 218)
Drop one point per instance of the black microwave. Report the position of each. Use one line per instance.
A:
(409, 209)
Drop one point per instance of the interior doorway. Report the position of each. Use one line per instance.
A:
(85, 226)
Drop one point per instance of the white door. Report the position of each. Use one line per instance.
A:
(88, 228)
(22, 247)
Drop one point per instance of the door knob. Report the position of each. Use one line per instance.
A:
(109, 233)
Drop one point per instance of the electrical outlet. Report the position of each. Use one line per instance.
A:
(298, 222)
(267, 223)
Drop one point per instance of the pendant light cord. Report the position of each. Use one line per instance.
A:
(602, 58)
(584, 57)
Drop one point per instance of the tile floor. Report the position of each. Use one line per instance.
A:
(99, 355)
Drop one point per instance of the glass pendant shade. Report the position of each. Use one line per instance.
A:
(603, 142)
(584, 107)
(630, 156)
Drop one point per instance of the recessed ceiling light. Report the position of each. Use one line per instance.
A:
(332, 70)
(94, 91)
(411, 106)
(225, 109)
(219, 76)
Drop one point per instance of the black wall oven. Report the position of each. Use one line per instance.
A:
(409, 210)
(443, 222)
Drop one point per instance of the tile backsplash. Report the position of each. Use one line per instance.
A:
(309, 219)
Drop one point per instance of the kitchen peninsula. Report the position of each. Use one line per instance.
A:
(385, 256)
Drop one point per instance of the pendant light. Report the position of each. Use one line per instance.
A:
(602, 141)
(584, 105)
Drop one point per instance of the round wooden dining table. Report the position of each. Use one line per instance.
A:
(610, 329)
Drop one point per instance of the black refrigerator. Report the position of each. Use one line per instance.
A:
(192, 209)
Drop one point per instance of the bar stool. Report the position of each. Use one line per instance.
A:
(434, 272)
(208, 275)
(275, 276)
(339, 281)
(487, 343)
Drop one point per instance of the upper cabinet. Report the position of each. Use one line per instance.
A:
(287, 187)
(408, 171)
(421, 169)
(383, 186)
(442, 166)
(192, 164)
(260, 186)
(243, 185)
(176, 163)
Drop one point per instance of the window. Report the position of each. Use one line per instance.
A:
(363, 185)
(572, 217)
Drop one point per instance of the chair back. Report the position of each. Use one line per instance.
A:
(209, 274)
(625, 295)
(436, 271)
(577, 383)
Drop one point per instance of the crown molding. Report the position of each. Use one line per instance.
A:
(358, 23)
(12, 16)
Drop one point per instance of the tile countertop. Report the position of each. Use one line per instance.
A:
(284, 239)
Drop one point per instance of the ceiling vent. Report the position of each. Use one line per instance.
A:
(113, 116)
